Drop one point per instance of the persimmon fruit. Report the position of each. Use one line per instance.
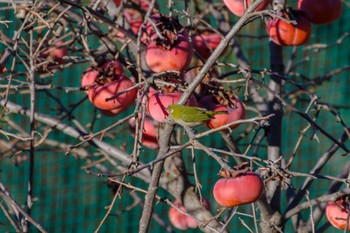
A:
(182, 221)
(157, 104)
(234, 191)
(288, 34)
(169, 48)
(238, 7)
(107, 87)
(149, 132)
(234, 112)
(205, 43)
(321, 11)
(337, 213)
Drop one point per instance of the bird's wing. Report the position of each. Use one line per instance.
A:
(198, 117)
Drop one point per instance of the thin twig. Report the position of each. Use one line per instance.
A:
(7, 197)
(325, 198)
(117, 193)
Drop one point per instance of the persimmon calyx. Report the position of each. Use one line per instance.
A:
(237, 171)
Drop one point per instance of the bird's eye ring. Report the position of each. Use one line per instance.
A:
(171, 110)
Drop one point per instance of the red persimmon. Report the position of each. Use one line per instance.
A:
(287, 34)
(176, 57)
(242, 189)
(238, 7)
(108, 88)
(337, 213)
(205, 43)
(157, 104)
(321, 11)
(234, 113)
(182, 221)
(149, 133)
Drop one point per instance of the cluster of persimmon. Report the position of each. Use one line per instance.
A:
(308, 12)
(235, 188)
(168, 48)
(284, 33)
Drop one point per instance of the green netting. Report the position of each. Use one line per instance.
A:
(69, 200)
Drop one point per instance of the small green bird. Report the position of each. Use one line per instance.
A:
(191, 116)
